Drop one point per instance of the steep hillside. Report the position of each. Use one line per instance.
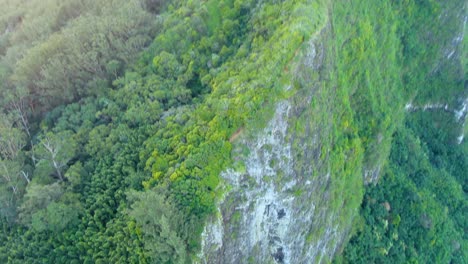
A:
(245, 132)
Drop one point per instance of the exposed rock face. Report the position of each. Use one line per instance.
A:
(262, 219)
(280, 205)
(277, 205)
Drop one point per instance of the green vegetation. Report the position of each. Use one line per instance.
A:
(55, 52)
(416, 212)
(424, 189)
(158, 117)
(116, 120)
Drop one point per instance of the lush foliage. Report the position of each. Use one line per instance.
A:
(108, 155)
(417, 213)
(69, 199)
(58, 51)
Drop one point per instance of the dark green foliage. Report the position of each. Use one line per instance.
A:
(161, 225)
(415, 212)
(426, 217)
(56, 217)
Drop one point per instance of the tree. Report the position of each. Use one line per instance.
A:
(160, 224)
(12, 139)
(38, 197)
(13, 182)
(13, 179)
(57, 149)
(56, 217)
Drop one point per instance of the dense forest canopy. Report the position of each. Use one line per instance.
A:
(116, 119)
(418, 211)
(55, 52)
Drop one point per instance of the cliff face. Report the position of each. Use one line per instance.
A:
(260, 122)
(296, 185)
(277, 206)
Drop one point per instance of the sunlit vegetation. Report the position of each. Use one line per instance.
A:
(117, 118)
(55, 52)
(157, 118)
